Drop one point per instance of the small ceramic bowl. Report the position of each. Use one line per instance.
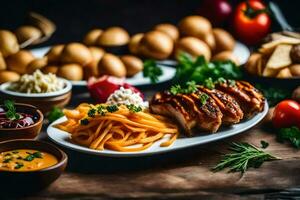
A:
(17, 183)
(28, 132)
(44, 101)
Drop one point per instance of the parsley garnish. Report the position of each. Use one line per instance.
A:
(264, 144)
(54, 114)
(101, 110)
(290, 134)
(203, 98)
(7, 160)
(32, 156)
(92, 112)
(152, 71)
(84, 121)
(243, 156)
(133, 108)
(209, 83)
(112, 108)
(11, 112)
(199, 70)
(19, 165)
(189, 87)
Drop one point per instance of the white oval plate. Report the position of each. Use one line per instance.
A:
(63, 138)
(66, 89)
(241, 51)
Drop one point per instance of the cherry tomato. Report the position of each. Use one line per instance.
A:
(251, 22)
(286, 114)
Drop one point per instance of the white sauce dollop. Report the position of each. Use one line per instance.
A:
(125, 97)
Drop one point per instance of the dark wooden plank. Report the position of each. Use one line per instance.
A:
(179, 174)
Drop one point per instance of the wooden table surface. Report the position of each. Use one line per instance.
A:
(184, 174)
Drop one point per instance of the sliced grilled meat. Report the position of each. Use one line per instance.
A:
(248, 97)
(188, 110)
(230, 109)
(163, 104)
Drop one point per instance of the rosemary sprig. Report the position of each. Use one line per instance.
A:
(243, 156)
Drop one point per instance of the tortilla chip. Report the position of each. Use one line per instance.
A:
(269, 47)
(280, 57)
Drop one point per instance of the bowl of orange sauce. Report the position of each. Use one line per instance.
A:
(32, 164)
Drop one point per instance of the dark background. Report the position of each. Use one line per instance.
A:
(75, 18)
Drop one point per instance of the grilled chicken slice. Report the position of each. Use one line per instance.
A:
(163, 104)
(188, 110)
(248, 97)
(232, 113)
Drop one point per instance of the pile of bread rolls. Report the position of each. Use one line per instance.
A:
(193, 35)
(76, 61)
(12, 60)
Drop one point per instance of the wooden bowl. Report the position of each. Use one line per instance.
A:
(18, 183)
(44, 101)
(28, 132)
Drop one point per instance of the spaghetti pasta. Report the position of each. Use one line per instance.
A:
(118, 128)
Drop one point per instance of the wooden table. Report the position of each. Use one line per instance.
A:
(184, 174)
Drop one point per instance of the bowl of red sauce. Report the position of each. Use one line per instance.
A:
(19, 121)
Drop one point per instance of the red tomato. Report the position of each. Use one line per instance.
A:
(251, 23)
(286, 114)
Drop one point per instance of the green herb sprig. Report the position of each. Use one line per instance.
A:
(133, 108)
(188, 88)
(203, 98)
(243, 156)
(11, 112)
(32, 156)
(152, 70)
(290, 134)
(199, 70)
(55, 114)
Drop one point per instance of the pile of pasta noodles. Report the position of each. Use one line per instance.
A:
(117, 128)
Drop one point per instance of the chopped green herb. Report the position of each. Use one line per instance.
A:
(243, 156)
(189, 87)
(11, 112)
(290, 134)
(84, 121)
(7, 160)
(221, 80)
(30, 157)
(101, 110)
(134, 108)
(152, 71)
(55, 114)
(37, 154)
(92, 112)
(203, 98)
(209, 83)
(231, 83)
(264, 144)
(112, 108)
(19, 165)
